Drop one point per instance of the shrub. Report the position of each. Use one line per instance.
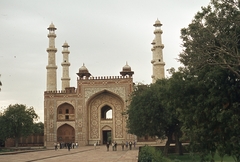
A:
(151, 154)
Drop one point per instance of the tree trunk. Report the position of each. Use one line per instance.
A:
(169, 140)
(16, 141)
(178, 145)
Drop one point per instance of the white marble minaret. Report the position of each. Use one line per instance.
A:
(51, 67)
(65, 67)
(157, 59)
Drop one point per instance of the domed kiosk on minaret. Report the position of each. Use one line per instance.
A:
(83, 72)
(126, 70)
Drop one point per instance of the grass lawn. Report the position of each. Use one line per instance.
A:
(196, 158)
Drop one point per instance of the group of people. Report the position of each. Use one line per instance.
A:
(67, 145)
(123, 144)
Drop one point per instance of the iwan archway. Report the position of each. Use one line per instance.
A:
(101, 126)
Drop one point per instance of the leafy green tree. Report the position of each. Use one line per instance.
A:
(210, 54)
(17, 121)
(152, 113)
(211, 117)
(213, 37)
(38, 128)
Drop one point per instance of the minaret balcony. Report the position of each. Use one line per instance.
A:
(65, 64)
(159, 46)
(65, 52)
(156, 31)
(51, 67)
(65, 78)
(51, 49)
(159, 63)
(52, 35)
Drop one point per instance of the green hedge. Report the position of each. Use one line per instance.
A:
(151, 154)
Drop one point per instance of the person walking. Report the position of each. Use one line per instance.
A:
(69, 146)
(113, 146)
(123, 146)
(55, 146)
(130, 145)
(95, 145)
(107, 146)
(58, 146)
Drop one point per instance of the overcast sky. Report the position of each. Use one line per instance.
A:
(103, 34)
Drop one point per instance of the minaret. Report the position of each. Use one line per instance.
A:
(51, 67)
(65, 67)
(157, 60)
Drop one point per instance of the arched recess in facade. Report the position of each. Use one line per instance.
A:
(65, 123)
(94, 106)
(65, 112)
(66, 133)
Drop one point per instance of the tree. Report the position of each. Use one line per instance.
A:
(213, 37)
(211, 116)
(152, 113)
(38, 128)
(17, 121)
(210, 54)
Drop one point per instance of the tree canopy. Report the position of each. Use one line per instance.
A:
(211, 45)
(151, 112)
(213, 37)
(17, 121)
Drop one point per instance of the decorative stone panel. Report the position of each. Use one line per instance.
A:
(120, 91)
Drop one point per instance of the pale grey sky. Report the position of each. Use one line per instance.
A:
(103, 34)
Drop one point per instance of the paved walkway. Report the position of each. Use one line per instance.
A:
(81, 154)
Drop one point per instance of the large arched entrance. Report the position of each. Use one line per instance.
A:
(66, 133)
(106, 121)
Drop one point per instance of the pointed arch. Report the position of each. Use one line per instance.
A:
(66, 133)
(105, 91)
(97, 106)
(106, 112)
(65, 112)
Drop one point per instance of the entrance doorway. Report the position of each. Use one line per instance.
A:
(107, 136)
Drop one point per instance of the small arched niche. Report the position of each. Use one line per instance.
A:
(106, 113)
